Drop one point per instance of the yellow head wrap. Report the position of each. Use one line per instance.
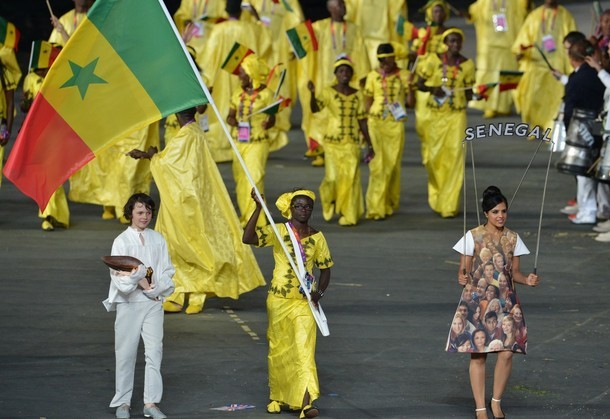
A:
(256, 69)
(343, 60)
(431, 5)
(285, 199)
(399, 52)
(453, 30)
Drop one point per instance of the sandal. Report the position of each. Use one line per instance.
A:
(492, 411)
(476, 411)
(274, 407)
(309, 411)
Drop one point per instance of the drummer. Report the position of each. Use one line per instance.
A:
(585, 92)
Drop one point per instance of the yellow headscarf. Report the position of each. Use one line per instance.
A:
(256, 69)
(285, 199)
(431, 5)
(453, 30)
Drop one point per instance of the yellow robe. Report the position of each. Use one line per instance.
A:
(334, 38)
(58, 203)
(388, 138)
(539, 93)
(254, 152)
(494, 48)
(195, 11)
(279, 19)
(445, 163)
(252, 35)
(198, 221)
(292, 328)
(12, 75)
(70, 21)
(112, 177)
(341, 188)
(377, 21)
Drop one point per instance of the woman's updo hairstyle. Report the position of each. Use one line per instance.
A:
(492, 196)
(385, 49)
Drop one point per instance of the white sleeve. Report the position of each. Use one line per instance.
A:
(469, 249)
(604, 76)
(521, 248)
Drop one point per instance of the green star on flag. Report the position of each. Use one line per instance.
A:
(82, 77)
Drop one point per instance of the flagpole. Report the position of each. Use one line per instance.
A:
(317, 311)
(31, 56)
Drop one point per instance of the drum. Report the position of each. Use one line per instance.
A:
(582, 144)
(603, 169)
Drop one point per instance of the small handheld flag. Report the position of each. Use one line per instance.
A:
(303, 39)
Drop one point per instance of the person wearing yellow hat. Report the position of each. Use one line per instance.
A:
(387, 94)
(341, 188)
(449, 77)
(293, 377)
(250, 130)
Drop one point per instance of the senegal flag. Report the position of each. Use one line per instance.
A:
(122, 69)
(509, 79)
(43, 54)
(302, 39)
(235, 58)
(9, 34)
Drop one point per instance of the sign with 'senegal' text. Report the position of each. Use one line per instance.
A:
(507, 129)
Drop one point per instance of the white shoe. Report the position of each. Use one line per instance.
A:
(602, 226)
(603, 237)
(153, 412)
(122, 411)
(569, 209)
(582, 219)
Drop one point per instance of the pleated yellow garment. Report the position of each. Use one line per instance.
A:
(539, 94)
(445, 133)
(334, 38)
(292, 328)
(341, 188)
(388, 138)
(112, 177)
(254, 36)
(254, 152)
(57, 208)
(198, 221)
(494, 48)
(195, 11)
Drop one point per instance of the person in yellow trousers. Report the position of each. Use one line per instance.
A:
(56, 213)
(429, 41)
(198, 220)
(387, 93)
(449, 77)
(539, 94)
(341, 188)
(250, 130)
(496, 23)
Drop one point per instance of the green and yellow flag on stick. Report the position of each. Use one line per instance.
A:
(509, 79)
(122, 69)
(43, 54)
(303, 39)
(235, 58)
(9, 34)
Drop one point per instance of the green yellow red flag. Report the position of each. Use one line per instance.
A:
(122, 69)
(303, 39)
(235, 57)
(9, 34)
(43, 54)
(509, 79)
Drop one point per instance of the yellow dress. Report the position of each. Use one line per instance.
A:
(539, 93)
(70, 21)
(292, 328)
(377, 21)
(254, 150)
(58, 203)
(423, 117)
(203, 14)
(112, 177)
(388, 138)
(198, 221)
(253, 35)
(494, 47)
(341, 188)
(334, 39)
(279, 19)
(445, 163)
(12, 75)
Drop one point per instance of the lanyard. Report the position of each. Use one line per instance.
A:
(332, 31)
(241, 103)
(76, 21)
(296, 234)
(456, 69)
(543, 25)
(503, 8)
(384, 85)
(196, 15)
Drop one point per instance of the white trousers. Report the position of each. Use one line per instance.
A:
(132, 321)
(592, 197)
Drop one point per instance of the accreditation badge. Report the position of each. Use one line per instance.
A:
(204, 123)
(499, 22)
(549, 43)
(243, 132)
(398, 112)
(197, 29)
(266, 20)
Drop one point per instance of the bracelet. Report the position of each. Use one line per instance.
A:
(320, 293)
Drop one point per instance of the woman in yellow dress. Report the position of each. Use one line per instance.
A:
(429, 41)
(10, 74)
(386, 94)
(449, 77)
(341, 189)
(250, 131)
(293, 377)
